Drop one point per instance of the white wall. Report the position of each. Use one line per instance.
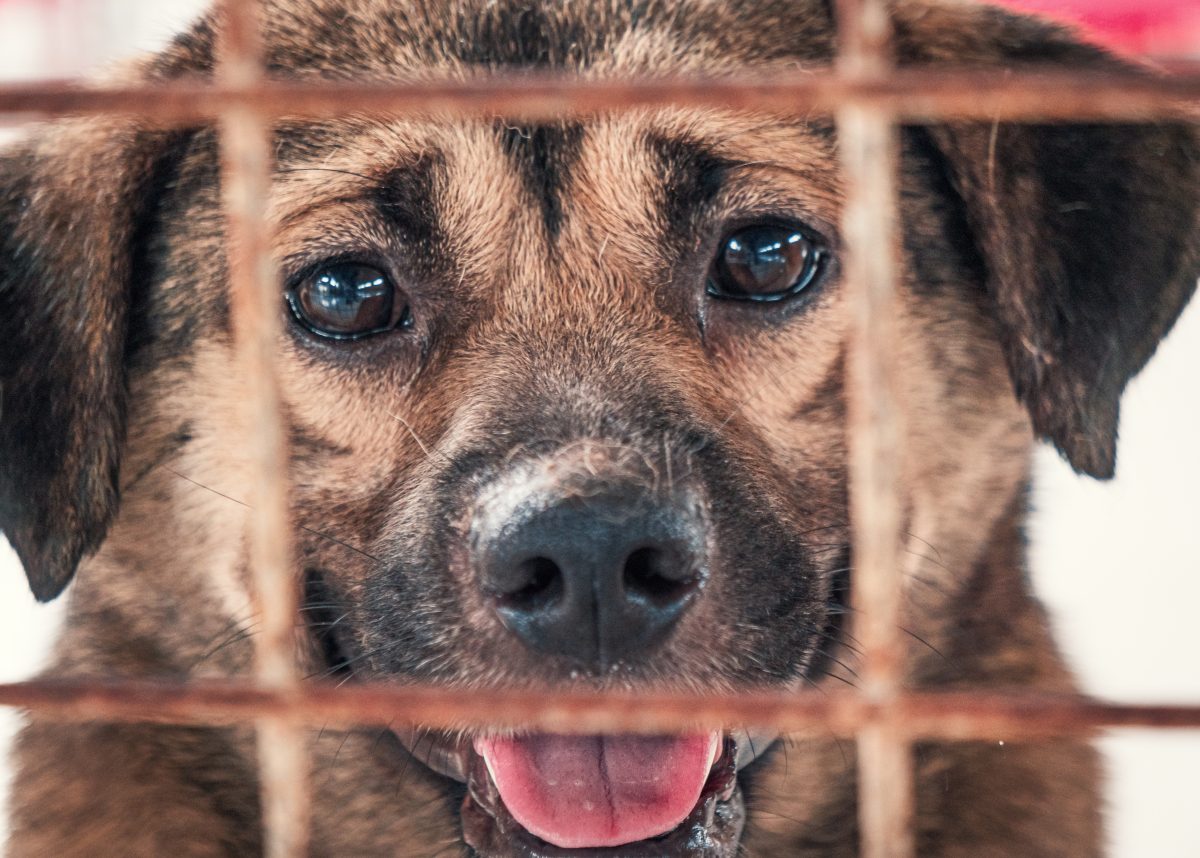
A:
(58, 38)
(1119, 563)
(51, 39)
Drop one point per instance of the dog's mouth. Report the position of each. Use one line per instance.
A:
(544, 796)
(551, 796)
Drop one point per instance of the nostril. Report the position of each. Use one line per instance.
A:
(539, 581)
(661, 575)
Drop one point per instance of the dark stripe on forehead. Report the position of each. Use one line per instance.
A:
(519, 33)
(543, 156)
(407, 197)
(692, 176)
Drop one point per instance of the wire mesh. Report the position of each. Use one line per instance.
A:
(868, 98)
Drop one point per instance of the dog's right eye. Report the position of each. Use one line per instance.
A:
(766, 262)
(347, 301)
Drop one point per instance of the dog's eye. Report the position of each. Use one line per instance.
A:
(347, 301)
(765, 263)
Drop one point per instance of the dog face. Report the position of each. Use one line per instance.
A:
(567, 401)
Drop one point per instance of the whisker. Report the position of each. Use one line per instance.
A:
(927, 544)
(237, 637)
(765, 812)
(322, 674)
(429, 454)
(837, 661)
(326, 170)
(303, 527)
(926, 643)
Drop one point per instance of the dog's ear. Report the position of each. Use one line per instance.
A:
(1090, 235)
(72, 205)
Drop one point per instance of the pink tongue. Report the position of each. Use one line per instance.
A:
(592, 791)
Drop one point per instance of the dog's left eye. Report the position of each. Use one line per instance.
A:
(765, 263)
(347, 301)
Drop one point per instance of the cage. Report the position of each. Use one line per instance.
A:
(867, 101)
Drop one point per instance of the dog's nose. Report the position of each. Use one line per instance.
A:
(597, 577)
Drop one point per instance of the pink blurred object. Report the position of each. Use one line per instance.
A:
(1157, 28)
(1153, 28)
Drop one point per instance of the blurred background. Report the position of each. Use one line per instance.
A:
(1117, 563)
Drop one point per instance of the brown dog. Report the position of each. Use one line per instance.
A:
(566, 405)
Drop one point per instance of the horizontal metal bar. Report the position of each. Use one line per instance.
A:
(955, 716)
(911, 95)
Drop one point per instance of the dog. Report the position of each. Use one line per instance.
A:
(566, 404)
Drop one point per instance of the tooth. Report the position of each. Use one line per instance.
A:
(714, 745)
(487, 762)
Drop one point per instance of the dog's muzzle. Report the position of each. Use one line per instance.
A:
(590, 559)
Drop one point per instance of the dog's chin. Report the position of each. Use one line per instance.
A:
(540, 796)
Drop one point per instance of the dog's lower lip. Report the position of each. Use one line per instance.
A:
(445, 754)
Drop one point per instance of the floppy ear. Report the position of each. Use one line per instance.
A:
(72, 208)
(1090, 235)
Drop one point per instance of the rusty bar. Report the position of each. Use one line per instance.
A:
(246, 168)
(867, 143)
(958, 716)
(240, 49)
(886, 791)
(913, 95)
(864, 38)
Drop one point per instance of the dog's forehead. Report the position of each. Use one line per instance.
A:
(507, 200)
(636, 184)
(380, 38)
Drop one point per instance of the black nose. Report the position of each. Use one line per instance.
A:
(598, 577)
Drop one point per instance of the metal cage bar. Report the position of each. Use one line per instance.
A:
(246, 166)
(867, 148)
(911, 94)
(954, 716)
(868, 99)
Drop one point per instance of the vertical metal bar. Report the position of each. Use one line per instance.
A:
(245, 136)
(864, 37)
(867, 142)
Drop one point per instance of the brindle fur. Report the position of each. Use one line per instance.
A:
(556, 276)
